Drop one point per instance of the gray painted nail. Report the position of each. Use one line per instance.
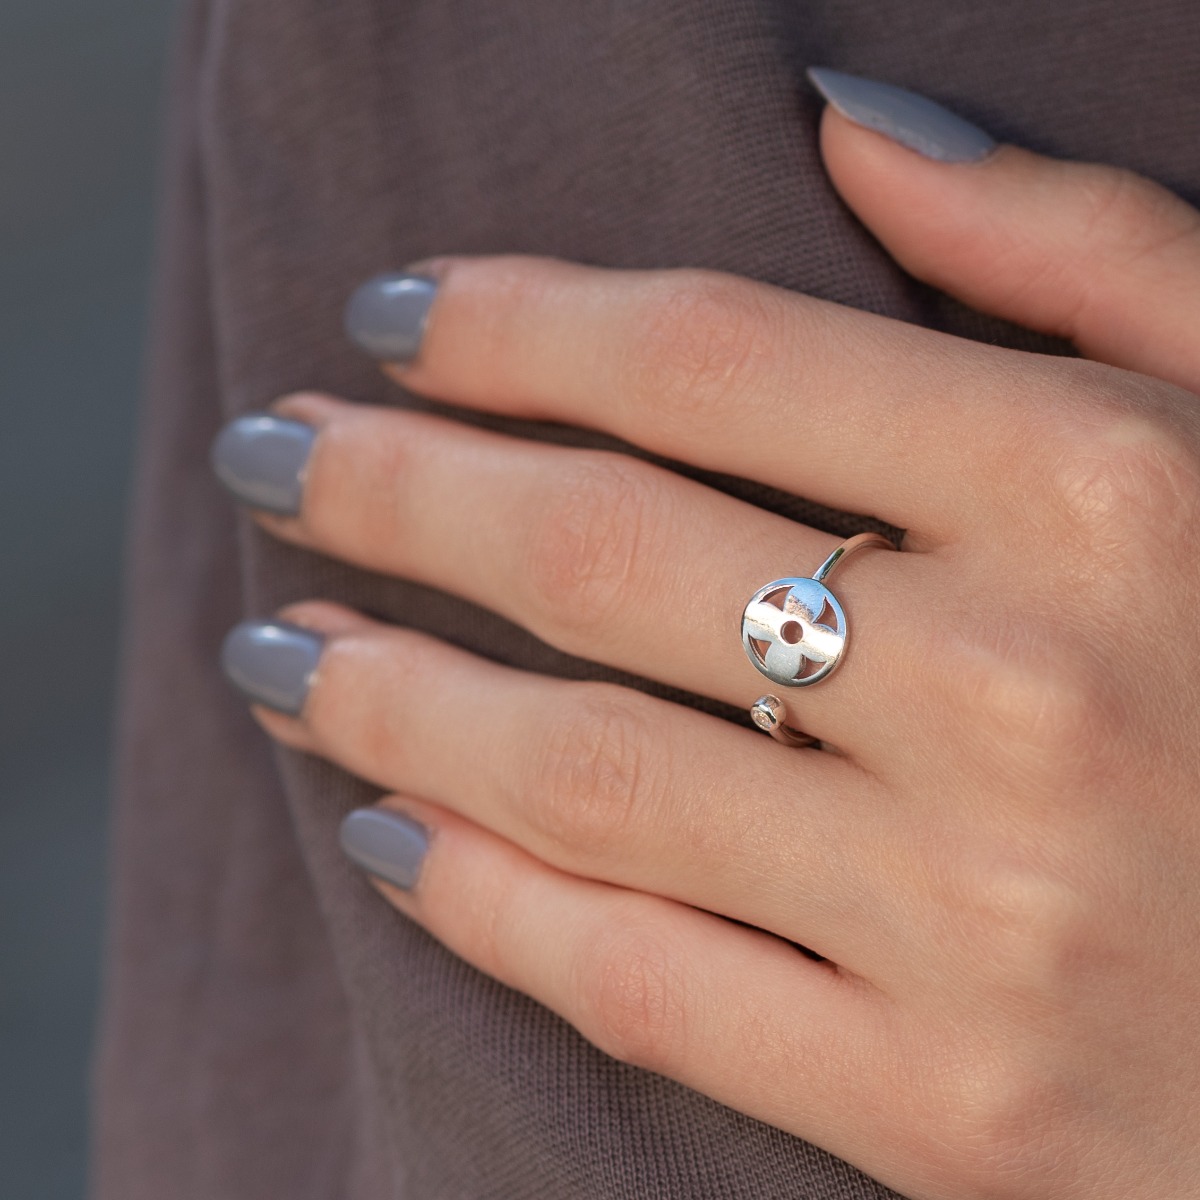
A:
(386, 844)
(906, 117)
(272, 663)
(261, 460)
(386, 315)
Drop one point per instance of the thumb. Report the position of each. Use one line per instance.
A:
(1092, 253)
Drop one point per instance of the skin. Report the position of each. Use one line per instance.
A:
(1001, 864)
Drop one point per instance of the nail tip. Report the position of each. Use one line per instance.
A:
(906, 117)
(388, 845)
(346, 831)
(353, 834)
(271, 663)
(385, 316)
(236, 647)
(223, 451)
(826, 80)
(817, 77)
(260, 459)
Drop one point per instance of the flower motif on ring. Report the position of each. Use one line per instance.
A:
(796, 633)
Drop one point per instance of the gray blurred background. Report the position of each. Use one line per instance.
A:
(80, 113)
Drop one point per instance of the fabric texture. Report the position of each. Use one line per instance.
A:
(272, 1029)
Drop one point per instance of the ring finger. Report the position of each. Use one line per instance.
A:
(597, 780)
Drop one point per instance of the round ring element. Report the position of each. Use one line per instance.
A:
(769, 714)
(794, 630)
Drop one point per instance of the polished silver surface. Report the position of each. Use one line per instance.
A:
(860, 541)
(794, 631)
(769, 714)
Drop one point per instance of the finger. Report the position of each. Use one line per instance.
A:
(731, 1012)
(606, 782)
(1089, 252)
(855, 410)
(598, 554)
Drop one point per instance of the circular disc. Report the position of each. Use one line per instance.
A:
(794, 631)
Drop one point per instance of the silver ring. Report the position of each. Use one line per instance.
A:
(794, 631)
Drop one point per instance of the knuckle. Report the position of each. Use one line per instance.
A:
(1127, 217)
(1126, 483)
(494, 297)
(1004, 1121)
(589, 778)
(354, 495)
(698, 338)
(487, 914)
(630, 990)
(586, 543)
(1041, 709)
(344, 712)
(1030, 933)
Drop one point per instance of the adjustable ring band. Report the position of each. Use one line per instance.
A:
(860, 541)
(794, 631)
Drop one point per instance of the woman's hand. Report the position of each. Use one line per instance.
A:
(1000, 869)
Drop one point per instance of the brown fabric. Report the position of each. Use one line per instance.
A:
(272, 1029)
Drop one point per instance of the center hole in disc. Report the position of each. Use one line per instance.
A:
(791, 632)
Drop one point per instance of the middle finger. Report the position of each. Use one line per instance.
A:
(599, 554)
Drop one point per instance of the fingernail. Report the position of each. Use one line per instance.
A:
(386, 844)
(386, 315)
(272, 663)
(905, 117)
(261, 460)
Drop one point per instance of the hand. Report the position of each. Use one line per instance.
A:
(998, 874)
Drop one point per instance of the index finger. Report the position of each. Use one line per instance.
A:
(853, 410)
